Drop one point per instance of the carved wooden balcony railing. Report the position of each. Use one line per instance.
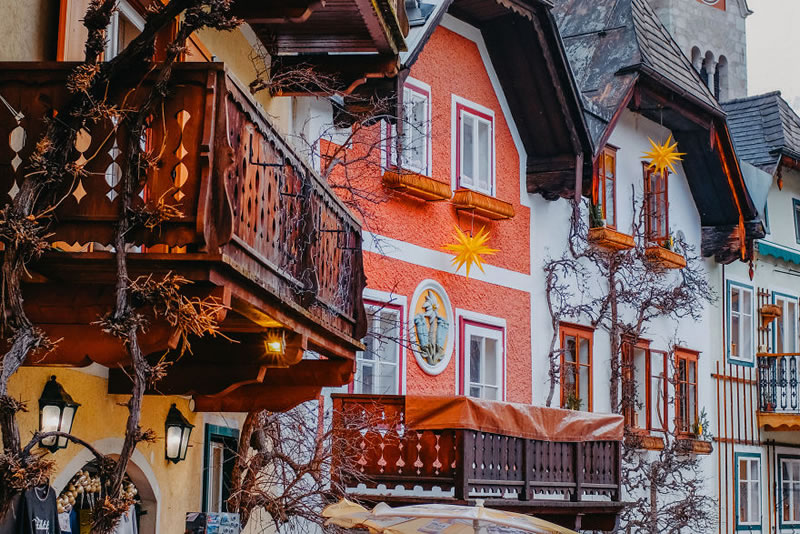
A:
(574, 484)
(258, 227)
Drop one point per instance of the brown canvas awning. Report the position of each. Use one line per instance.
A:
(511, 419)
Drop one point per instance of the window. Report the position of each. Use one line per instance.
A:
(125, 25)
(605, 186)
(475, 149)
(221, 449)
(415, 139)
(786, 325)
(576, 367)
(378, 370)
(656, 205)
(686, 391)
(741, 325)
(790, 490)
(748, 491)
(482, 356)
(796, 211)
(646, 371)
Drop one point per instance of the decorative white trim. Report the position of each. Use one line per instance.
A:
(474, 34)
(442, 261)
(487, 320)
(448, 349)
(401, 301)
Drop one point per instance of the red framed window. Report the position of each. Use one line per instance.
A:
(645, 387)
(686, 390)
(482, 359)
(412, 144)
(656, 205)
(474, 149)
(576, 367)
(379, 368)
(604, 193)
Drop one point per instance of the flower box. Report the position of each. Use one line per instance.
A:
(769, 312)
(639, 439)
(482, 205)
(417, 185)
(696, 446)
(665, 258)
(609, 238)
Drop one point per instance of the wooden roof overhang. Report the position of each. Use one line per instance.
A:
(346, 43)
(259, 230)
(529, 60)
(727, 213)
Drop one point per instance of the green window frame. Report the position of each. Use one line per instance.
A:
(788, 505)
(225, 441)
(748, 484)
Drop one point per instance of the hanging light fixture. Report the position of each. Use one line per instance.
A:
(275, 343)
(178, 430)
(56, 414)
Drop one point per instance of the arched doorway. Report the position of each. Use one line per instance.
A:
(139, 473)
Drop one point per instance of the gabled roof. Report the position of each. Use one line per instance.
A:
(764, 128)
(528, 58)
(609, 43)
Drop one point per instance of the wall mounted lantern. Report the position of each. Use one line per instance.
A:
(275, 343)
(56, 414)
(178, 430)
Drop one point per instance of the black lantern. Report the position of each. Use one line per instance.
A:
(178, 430)
(56, 414)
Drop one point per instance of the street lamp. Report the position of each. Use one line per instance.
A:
(178, 430)
(56, 413)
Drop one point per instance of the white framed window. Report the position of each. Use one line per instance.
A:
(415, 141)
(474, 158)
(790, 490)
(126, 23)
(741, 327)
(379, 367)
(482, 358)
(786, 336)
(748, 491)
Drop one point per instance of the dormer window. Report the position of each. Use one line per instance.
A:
(604, 194)
(474, 147)
(656, 205)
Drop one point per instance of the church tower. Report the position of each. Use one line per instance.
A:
(712, 34)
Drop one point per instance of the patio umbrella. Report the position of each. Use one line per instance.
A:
(436, 518)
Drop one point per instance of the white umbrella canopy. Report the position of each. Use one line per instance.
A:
(436, 518)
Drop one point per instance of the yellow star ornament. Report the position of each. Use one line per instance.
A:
(664, 156)
(469, 249)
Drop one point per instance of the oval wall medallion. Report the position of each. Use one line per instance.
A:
(431, 327)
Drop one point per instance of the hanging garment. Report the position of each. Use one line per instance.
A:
(127, 523)
(39, 512)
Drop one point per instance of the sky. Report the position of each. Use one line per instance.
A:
(773, 41)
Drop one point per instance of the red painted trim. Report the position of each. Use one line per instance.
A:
(401, 356)
(462, 359)
(461, 107)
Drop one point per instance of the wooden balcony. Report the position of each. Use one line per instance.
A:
(258, 229)
(573, 483)
(778, 392)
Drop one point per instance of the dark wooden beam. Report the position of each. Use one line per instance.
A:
(257, 397)
(343, 73)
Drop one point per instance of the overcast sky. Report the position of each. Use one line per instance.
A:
(773, 43)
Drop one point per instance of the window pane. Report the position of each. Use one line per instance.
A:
(692, 406)
(475, 391)
(735, 343)
(791, 326)
(387, 380)
(754, 474)
(475, 343)
(367, 378)
(467, 149)
(490, 362)
(744, 503)
(215, 490)
(639, 396)
(735, 299)
(569, 348)
(609, 193)
(484, 154)
(583, 383)
(584, 350)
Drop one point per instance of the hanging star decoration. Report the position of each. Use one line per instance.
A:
(470, 248)
(664, 156)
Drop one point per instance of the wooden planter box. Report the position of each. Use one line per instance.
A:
(644, 441)
(665, 258)
(417, 185)
(696, 446)
(609, 238)
(769, 312)
(482, 205)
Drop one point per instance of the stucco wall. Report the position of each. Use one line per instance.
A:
(29, 30)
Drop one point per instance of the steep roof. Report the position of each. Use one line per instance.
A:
(764, 128)
(609, 43)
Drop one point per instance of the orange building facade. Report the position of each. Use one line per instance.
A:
(433, 329)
